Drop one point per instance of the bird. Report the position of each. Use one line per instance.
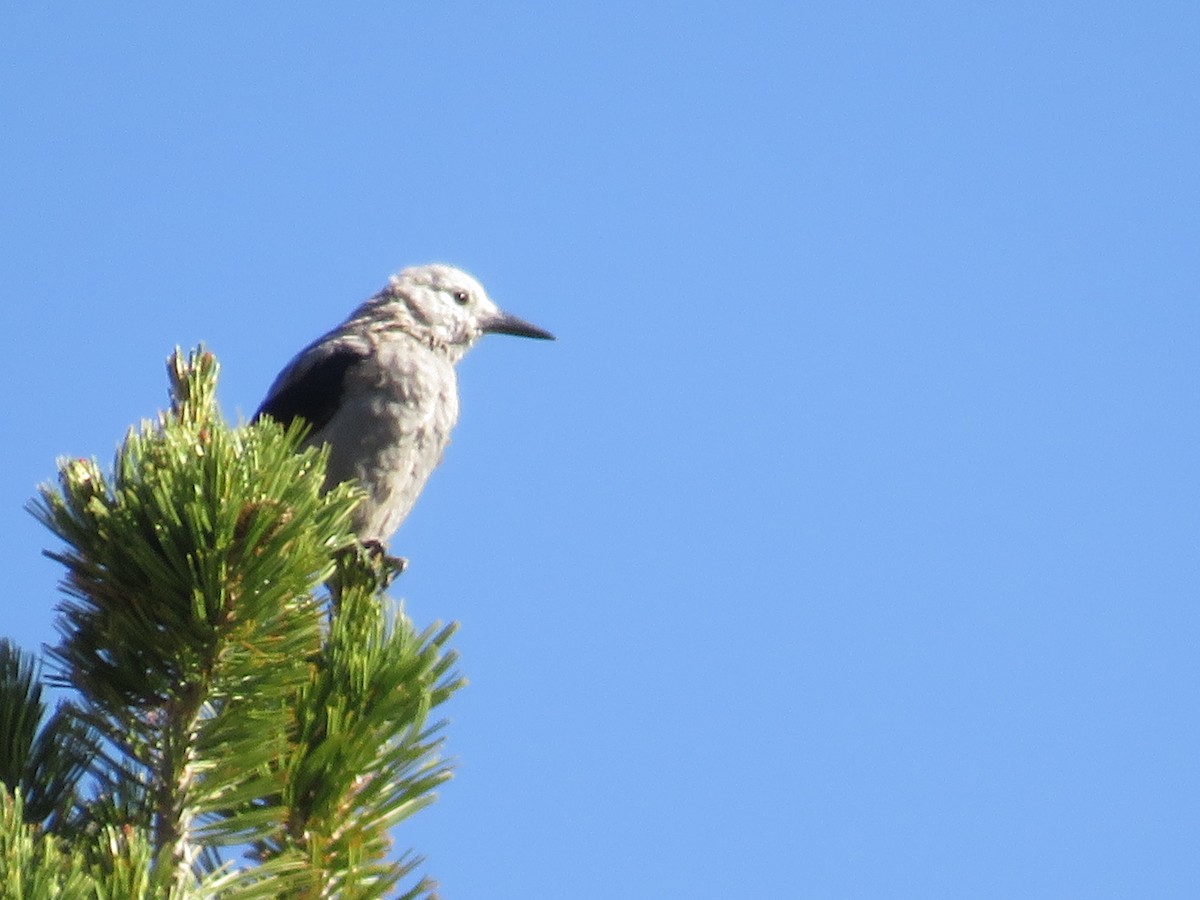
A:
(380, 389)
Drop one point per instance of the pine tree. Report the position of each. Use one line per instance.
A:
(247, 715)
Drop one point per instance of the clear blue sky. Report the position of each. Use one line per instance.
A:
(845, 543)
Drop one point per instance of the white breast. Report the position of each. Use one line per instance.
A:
(389, 433)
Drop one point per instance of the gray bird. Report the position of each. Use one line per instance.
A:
(381, 391)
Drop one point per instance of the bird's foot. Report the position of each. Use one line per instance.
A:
(368, 558)
(389, 566)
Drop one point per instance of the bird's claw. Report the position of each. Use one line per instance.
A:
(389, 566)
(371, 557)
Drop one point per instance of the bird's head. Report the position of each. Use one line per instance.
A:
(446, 307)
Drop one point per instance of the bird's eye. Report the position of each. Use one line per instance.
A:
(462, 298)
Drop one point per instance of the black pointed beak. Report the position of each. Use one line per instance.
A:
(503, 323)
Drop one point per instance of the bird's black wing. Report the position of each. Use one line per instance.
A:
(311, 387)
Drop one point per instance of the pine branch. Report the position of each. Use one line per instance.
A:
(192, 619)
(32, 863)
(42, 758)
(365, 757)
(221, 703)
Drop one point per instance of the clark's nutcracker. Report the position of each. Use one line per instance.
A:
(380, 388)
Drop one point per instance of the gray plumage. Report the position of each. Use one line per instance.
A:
(381, 390)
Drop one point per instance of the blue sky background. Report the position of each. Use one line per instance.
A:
(844, 545)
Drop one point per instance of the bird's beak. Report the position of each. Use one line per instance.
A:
(503, 323)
